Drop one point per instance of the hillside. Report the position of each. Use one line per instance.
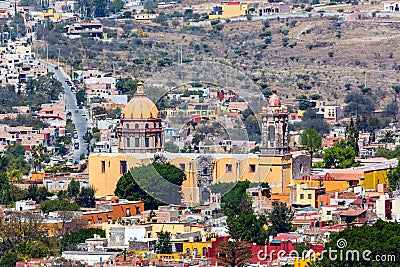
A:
(297, 56)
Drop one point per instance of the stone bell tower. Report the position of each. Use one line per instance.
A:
(275, 160)
(274, 133)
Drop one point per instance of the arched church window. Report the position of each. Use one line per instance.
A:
(271, 135)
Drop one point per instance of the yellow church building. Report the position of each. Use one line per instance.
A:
(141, 142)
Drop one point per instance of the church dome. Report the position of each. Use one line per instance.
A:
(274, 100)
(140, 106)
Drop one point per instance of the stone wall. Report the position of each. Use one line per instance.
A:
(301, 166)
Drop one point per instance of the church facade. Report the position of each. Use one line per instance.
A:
(141, 142)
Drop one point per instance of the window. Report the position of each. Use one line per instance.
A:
(128, 142)
(128, 212)
(301, 196)
(137, 210)
(252, 168)
(271, 135)
(137, 142)
(182, 166)
(205, 171)
(254, 194)
(309, 196)
(155, 125)
(85, 184)
(89, 221)
(103, 166)
(228, 167)
(123, 168)
(329, 212)
(49, 185)
(136, 126)
(147, 142)
(61, 185)
(127, 126)
(99, 220)
(321, 203)
(147, 126)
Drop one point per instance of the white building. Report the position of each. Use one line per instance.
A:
(391, 6)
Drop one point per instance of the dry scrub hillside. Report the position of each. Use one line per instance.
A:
(297, 56)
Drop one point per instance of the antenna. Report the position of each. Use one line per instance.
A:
(181, 55)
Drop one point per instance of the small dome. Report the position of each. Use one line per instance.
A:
(140, 106)
(274, 100)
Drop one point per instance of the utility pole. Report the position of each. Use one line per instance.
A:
(58, 59)
(47, 52)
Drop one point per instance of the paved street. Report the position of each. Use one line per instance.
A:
(71, 105)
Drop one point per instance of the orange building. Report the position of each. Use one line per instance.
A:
(113, 211)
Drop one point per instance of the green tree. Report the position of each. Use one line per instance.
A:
(311, 141)
(163, 245)
(281, 218)
(387, 138)
(37, 152)
(394, 177)
(241, 221)
(391, 110)
(116, 6)
(235, 253)
(358, 104)
(81, 96)
(73, 189)
(381, 238)
(311, 120)
(86, 197)
(152, 184)
(352, 136)
(9, 259)
(4, 189)
(340, 156)
(126, 85)
(71, 240)
(396, 90)
(58, 205)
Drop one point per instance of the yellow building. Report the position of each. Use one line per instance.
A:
(51, 15)
(229, 10)
(272, 165)
(306, 195)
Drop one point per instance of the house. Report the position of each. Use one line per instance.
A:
(229, 10)
(113, 210)
(329, 112)
(273, 8)
(93, 28)
(393, 6)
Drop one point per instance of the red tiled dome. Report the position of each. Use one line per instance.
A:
(274, 100)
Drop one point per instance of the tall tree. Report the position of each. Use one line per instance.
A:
(154, 184)
(391, 110)
(394, 177)
(281, 217)
(340, 155)
(73, 189)
(311, 141)
(234, 253)
(387, 138)
(352, 136)
(396, 89)
(163, 245)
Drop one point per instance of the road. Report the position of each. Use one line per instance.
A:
(70, 106)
